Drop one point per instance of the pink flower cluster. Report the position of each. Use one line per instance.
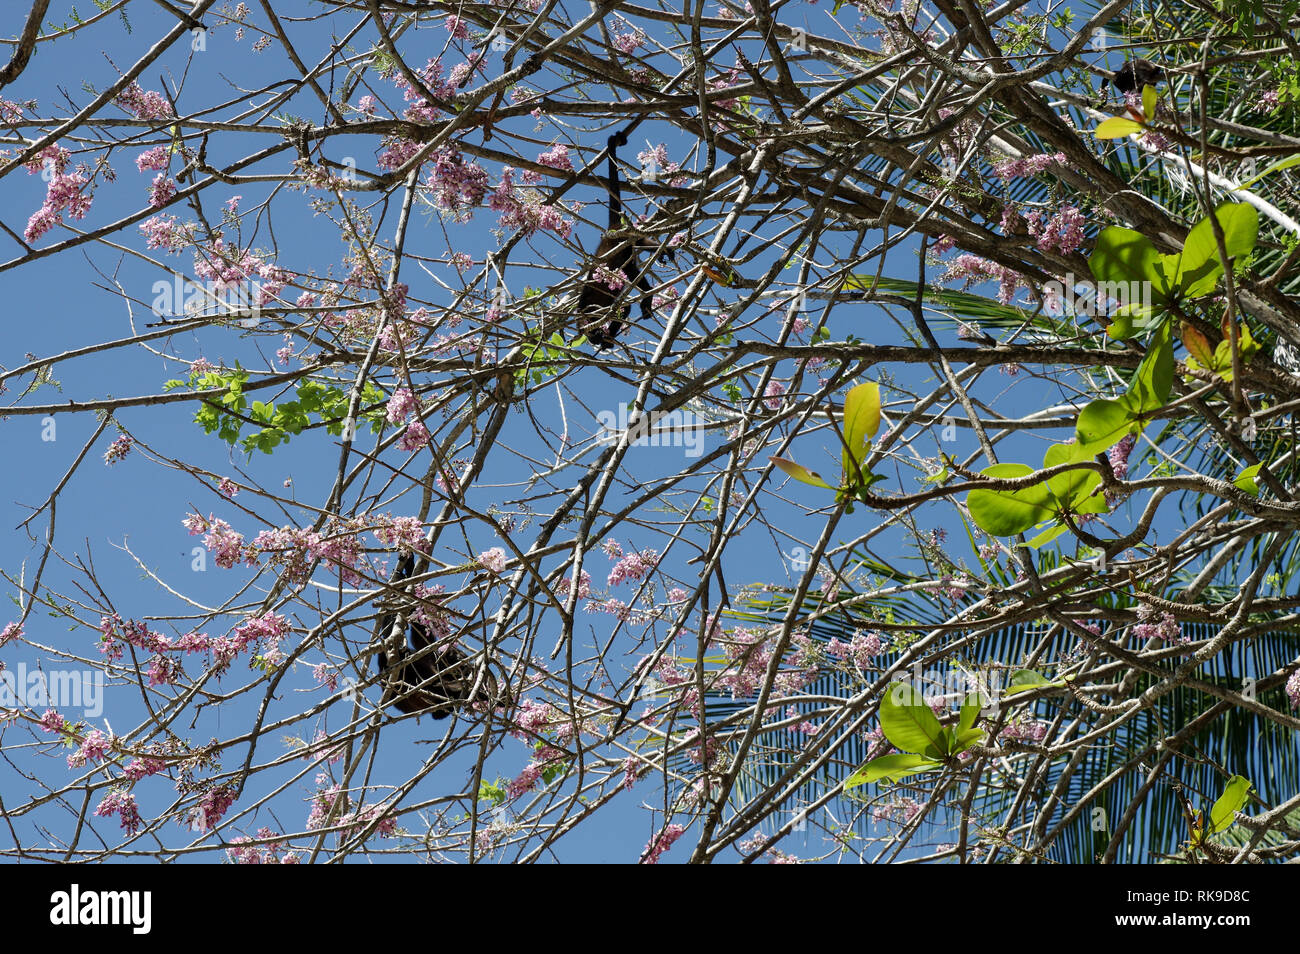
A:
(161, 191)
(250, 854)
(633, 566)
(1062, 231)
(165, 232)
(1293, 689)
(51, 721)
(212, 807)
(656, 847)
(525, 212)
(225, 268)
(493, 560)
(116, 634)
(10, 631)
(118, 450)
(456, 185)
(1028, 166)
(860, 649)
(144, 104)
(584, 585)
(400, 405)
(404, 532)
(221, 539)
(94, 746)
(1119, 454)
(153, 160)
(414, 437)
(123, 805)
(1166, 628)
(65, 192)
(1025, 730)
(972, 270)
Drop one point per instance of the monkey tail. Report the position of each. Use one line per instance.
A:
(612, 181)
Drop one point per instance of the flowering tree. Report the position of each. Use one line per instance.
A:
(939, 511)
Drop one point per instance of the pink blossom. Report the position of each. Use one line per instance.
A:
(144, 104)
(1028, 166)
(94, 745)
(11, 631)
(400, 405)
(212, 807)
(634, 566)
(1063, 231)
(1119, 455)
(163, 231)
(51, 721)
(657, 846)
(123, 805)
(414, 437)
(154, 160)
(162, 190)
(584, 585)
(118, 450)
(493, 560)
(1293, 689)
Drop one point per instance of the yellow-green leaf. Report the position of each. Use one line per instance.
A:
(1117, 127)
(801, 473)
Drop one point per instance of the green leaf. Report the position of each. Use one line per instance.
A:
(1023, 680)
(908, 722)
(1103, 423)
(1223, 813)
(1048, 535)
(1116, 127)
(1198, 266)
(799, 472)
(1072, 488)
(1148, 102)
(970, 711)
(1154, 380)
(861, 421)
(1246, 479)
(890, 768)
(965, 738)
(1004, 513)
(1129, 269)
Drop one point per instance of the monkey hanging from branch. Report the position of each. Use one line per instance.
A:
(421, 675)
(602, 310)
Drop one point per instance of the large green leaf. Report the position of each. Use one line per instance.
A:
(1074, 487)
(908, 721)
(1224, 811)
(1122, 255)
(861, 421)
(890, 768)
(1005, 513)
(1154, 380)
(1198, 267)
(1102, 423)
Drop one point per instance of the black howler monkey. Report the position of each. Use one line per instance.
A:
(618, 253)
(1135, 74)
(438, 681)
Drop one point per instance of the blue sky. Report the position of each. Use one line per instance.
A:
(127, 517)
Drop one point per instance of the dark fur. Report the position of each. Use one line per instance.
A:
(1135, 74)
(438, 682)
(618, 254)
